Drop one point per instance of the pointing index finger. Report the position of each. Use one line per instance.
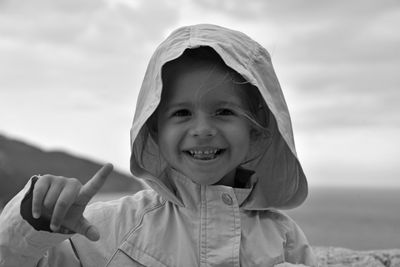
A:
(94, 184)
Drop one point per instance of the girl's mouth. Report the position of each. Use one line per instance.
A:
(204, 154)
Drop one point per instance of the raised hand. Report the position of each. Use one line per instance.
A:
(62, 200)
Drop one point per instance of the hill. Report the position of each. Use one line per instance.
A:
(19, 161)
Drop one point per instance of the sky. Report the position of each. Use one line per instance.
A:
(70, 72)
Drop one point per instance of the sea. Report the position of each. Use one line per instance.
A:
(355, 218)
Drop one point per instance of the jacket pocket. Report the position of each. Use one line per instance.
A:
(131, 256)
(121, 259)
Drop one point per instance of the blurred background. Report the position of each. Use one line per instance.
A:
(70, 72)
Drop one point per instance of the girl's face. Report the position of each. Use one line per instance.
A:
(200, 131)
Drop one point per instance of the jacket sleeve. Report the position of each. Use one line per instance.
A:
(23, 246)
(298, 250)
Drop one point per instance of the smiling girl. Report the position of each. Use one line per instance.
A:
(212, 137)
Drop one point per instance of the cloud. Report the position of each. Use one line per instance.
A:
(339, 66)
(98, 24)
(352, 156)
(74, 45)
(46, 21)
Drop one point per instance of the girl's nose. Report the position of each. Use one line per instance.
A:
(202, 127)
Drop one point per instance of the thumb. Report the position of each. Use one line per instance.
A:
(85, 228)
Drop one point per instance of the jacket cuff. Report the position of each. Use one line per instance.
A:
(43, 236)
(41, 223)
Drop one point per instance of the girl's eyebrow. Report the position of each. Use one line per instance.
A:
(228, 104)
(170, 106)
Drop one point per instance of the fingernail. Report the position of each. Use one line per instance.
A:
(93, 234)
(53, 228)
(35, 215)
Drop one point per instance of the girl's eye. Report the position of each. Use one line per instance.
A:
(225, 112)
(181, 113)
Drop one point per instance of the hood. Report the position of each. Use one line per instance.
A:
(281, 182)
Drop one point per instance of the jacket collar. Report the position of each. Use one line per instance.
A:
(188, 194)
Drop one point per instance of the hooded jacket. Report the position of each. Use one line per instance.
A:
(178, 222)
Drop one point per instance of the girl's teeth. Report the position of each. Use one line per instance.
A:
(201, 152)
(204, 154)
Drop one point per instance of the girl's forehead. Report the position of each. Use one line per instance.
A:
(201, 83)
